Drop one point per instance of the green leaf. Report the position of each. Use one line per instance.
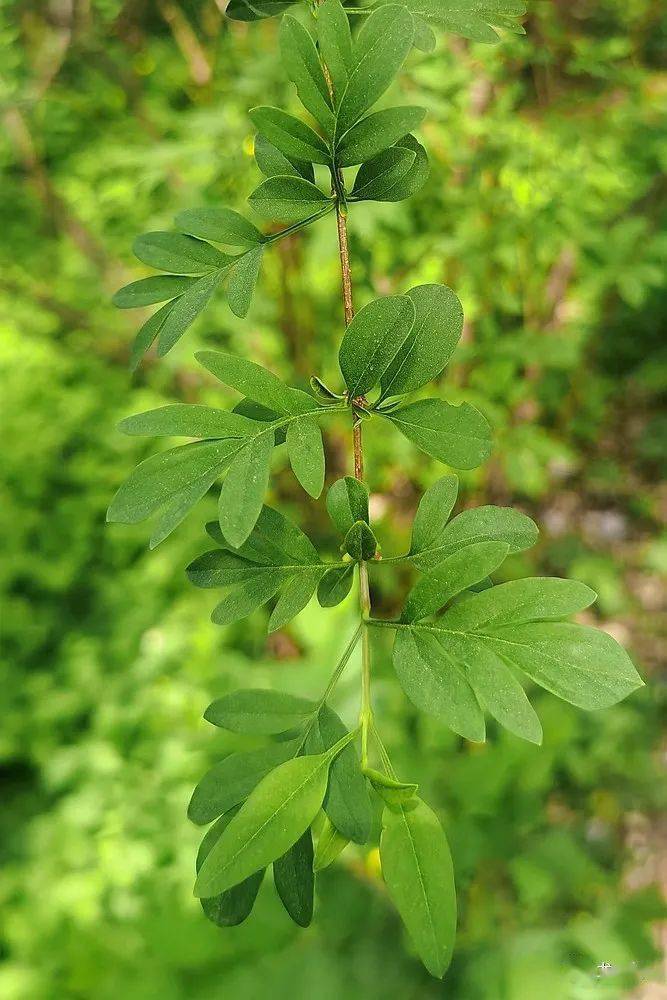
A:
(289, 199)
(432, 544)
(306, 454)
(276, 541)
(417, 868)
(147, 334)
(185, 311)
(347, 502)
(277, 813)
(296, 594)
(255, 10)
(376, 133)
(230, 908)
(148, 291)
(222, 225)
(372, 340)
(330, 844)
(247, 597)
(294, 880)
(290, 135)
(257, 383)
(381, 47)
(453, 575)
(242, 280)
(582, 665)
(379, 175)
(517, 602)
(229, 782)
(335, 40)
(470, 18)
(436, 332)
(457, 435)
(347, 803)
(498, 690)
(273, 163)
(394, 792)
(425, 39)
(413, 181)
(360, 542)
(189, 420)
(435, 682)
(433, 512)
(335, 585)
(303, 66)
(242, 492)
(178, 253)
(258, 711)
(223, 569)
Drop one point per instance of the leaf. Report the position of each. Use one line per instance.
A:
(335, 40)
(148, 291)
(376, 132)
(457, 435)
(186, 310)
(178, 253)
(379, 175)
(470, 18)
(436, 332)
(435, 683)
(360, 542)
(425, 39)
(276, 541)
(347, 502)
(294, 880)
(306, 454)
(222, 225)
(417, 868)
(381, 47)
(498, 690)
(230, 908)
(295, 595)
(242, 280)
(289, 199)
(290, 135)
(517, 602)
(273, 163)
(256, 382)
(394, 792)
(242, 492)
(582, 665)
(147, 334)
(229, 783)
(478, 524)
(278, 811)
(372, 340)
(433, 512)
(413, 181)
(453, 575)
(302, 62)
(223, 569)
(335, 585)
(258, 711)
(255, 10)
(189, 420)
(347, 803)
(330, 844)
(247, 597)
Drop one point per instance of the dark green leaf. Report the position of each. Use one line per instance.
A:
(256, 382)
(295, 595)
(457, 435)
(303, 66)
(306, 454)
(221, 568)
(273, 163)
(417, 868)
(295, 881)
(289, 199)
(519, 601)
(147, 334)
(394, 792)
(242, 492)
(379, 175)
(189, 420)
(290, 135)
(456, 573)
(335, 585)
(178, 253)
(360, 542)
(372, 340)
(247, 597)
(479, 524)
(230, 908)
(433, 512)
(231, 781)
(470, 18)
(148, 291)
(376, 133)
(413, 181)
(330, 843)
(186, 310)
(259, 711)
(347, 502)
(222, 225)
(335, 39)
(242, 280)
(276, 541)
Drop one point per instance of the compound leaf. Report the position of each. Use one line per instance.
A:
(258, 711)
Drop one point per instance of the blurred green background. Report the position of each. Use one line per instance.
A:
(545, 210)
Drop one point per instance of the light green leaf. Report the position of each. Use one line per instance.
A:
(242, 492)
(379, 175)
(189, 420)
(425, 39)
(290, 135)
(335, 585)
(436, 684)
(294, 880)
(381, 47)
(516, 602)
(222, 225)
(257, 383)
(178, 253)
(457, 435)
(436, 332)
(229, 783)
(394, 792)
(306, 454)
(360, 542)
(335, 39)
(258, 711)
(232, 907)
(413, 181)
(301, 60)
(289, 199)
(242, 280)
(478, 524)
(417, 868)
(247, 597)
(376, 133)
(433, 512)
(330, 844)
(296, 594)
(347, 502)
(186, 310)
(148, 291)
(372, 340)
(454, 574)
(273, 163)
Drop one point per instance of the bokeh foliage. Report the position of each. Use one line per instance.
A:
(545, 212)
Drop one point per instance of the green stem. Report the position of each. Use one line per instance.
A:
(275, 237)
(335, 677)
